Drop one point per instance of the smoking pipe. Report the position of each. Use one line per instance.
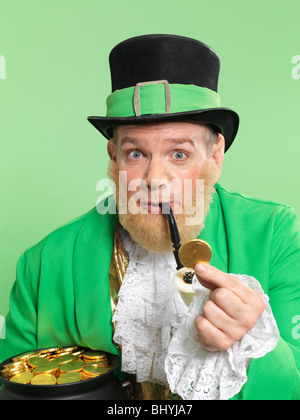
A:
(175, 237)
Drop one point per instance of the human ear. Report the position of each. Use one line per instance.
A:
(111, 149)
(217, 154)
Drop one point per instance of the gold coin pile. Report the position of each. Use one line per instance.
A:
(56, 365)
(96, 363)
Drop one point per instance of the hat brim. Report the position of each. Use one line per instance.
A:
(225, 119)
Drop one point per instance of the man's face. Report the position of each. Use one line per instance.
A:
(163, 163)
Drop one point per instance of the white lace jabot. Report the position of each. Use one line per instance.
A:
(159, 342)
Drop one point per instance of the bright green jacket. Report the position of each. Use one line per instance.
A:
(61, 294)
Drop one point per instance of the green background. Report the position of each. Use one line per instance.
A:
(57, 74)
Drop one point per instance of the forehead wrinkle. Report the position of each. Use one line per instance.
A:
(180, 140)
(128, 139)
(173, 140)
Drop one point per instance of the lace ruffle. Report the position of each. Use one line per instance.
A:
(159, 342)
(197, 374)
(148, 310)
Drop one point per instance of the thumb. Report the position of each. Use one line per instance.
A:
(210, 277)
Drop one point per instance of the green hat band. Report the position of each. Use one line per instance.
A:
(152, 99)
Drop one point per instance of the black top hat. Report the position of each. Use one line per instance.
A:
(160, 78)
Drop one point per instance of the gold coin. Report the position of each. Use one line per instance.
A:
(5, 374)
(51, 363)
(43, 379)
(22, 378)
(101, 362)
(35, 361)
(71, 367)
(68, 378)
(44, 369)
(93, 354)
(77, 352)
(193, 252)
(62, 353)
(9, 373)
(13, 365)
(69, 349)
(95, 370)
(64, 359)
(50, 350)
(23, 357)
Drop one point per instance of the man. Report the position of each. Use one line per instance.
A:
(164, 123)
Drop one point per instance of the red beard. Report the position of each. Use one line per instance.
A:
(151, 231)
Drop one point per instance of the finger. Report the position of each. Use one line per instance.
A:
(229, 302)
(210, 337)
(212, 278)
(223, 322)
(245, 315)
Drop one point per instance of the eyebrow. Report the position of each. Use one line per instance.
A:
(127, 139)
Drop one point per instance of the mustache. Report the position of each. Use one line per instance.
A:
(152, 230)
(179, 192)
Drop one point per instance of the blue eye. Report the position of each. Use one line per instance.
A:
(135, 154)
(180, 155)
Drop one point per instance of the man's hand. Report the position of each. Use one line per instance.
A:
(231, 311)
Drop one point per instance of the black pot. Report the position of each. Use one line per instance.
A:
(104, 387)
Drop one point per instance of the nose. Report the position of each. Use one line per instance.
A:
(155, 175)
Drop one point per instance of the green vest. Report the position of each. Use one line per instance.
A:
(61, 294)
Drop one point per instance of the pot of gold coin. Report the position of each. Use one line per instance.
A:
(61, 373)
